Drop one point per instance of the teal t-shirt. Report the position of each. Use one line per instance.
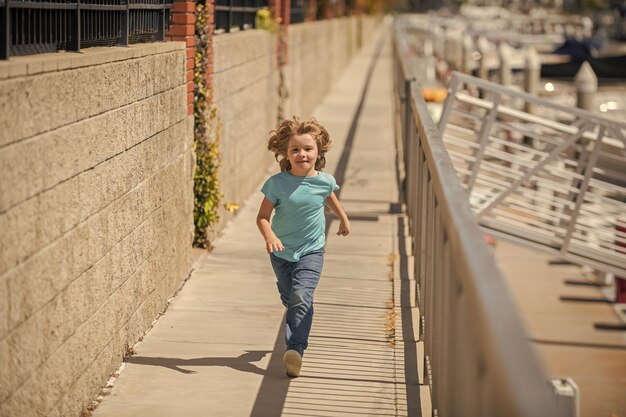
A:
(299, 220)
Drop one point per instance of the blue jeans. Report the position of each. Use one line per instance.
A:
(296, 282)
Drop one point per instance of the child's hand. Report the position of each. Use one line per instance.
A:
(273, 244)
(344, 228)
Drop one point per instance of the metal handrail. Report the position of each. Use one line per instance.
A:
(553, 179)
(478, 361)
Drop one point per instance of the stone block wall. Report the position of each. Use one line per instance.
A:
(96, 213)
(308, 69)
(245, 92)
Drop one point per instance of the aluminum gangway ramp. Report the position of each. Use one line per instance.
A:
(538, 173)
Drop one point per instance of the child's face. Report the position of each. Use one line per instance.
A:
(302, 154)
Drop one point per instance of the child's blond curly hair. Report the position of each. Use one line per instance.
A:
(279, 140)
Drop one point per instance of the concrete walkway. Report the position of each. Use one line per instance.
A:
(217, 351)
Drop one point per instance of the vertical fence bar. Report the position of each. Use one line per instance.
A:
(403, 125)
(409, 169)
(429, 293)
(421, 230)
(74, 42)
(5, 32)
(230, 16)
(437, 302)
(414, 171)
(125, 22)
(419, 163)
(161, 29)
(406, 114)
(446, 324)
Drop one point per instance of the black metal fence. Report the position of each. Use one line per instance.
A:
(37, 26)
(236, 13)
(298, 10)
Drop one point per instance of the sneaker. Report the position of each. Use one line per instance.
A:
(293, 363)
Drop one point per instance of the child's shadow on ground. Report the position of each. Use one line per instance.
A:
(240, 363)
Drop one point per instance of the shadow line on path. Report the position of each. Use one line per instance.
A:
(242, 362)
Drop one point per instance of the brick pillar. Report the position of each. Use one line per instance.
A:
(183, 29)
(276, 7)
(285, 11)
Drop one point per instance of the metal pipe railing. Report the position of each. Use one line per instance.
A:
(542, 178)
(478, 361)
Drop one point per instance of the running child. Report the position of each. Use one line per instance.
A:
(295, 238)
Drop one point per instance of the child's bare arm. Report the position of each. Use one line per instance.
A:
(344, 224)
(272, 242)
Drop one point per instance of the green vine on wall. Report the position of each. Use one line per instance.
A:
(207, 195)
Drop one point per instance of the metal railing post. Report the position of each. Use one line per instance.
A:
(161, 29)
(230, 15)
(125, 23)
(407, 107)
(406, 127)
(74, 44)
